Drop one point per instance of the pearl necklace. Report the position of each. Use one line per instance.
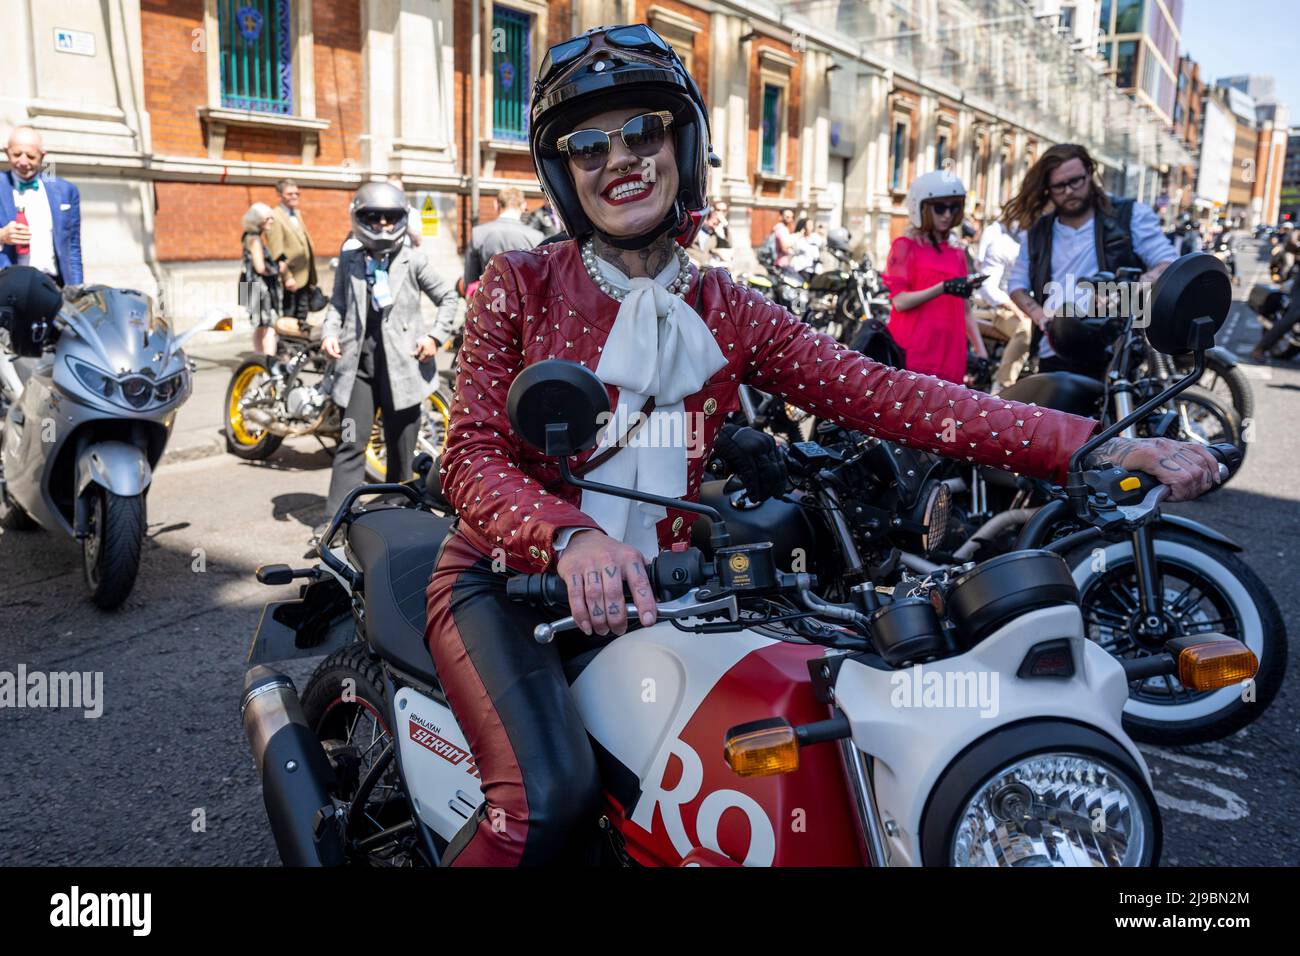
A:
(678, 286)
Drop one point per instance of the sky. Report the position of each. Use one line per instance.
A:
(1230, 37)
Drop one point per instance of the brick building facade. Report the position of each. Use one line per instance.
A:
(187, 111)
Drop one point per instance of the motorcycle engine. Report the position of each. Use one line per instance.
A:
(303, 403)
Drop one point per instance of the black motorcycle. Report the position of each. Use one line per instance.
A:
(1270, 301)
(887, 509)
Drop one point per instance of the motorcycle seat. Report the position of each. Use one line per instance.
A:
(1063, 391)
(395, 549)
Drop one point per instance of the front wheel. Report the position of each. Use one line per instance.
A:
(435, 420)
(1206, 589)
(110, 554)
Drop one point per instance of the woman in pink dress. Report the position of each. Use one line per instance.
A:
(926, 273)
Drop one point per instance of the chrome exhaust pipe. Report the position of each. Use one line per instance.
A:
(296, 774)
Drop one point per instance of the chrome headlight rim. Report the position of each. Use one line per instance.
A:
(1006, 747)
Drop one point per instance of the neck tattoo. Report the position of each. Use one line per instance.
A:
(650, 261)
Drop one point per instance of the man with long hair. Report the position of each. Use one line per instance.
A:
(1075, 230)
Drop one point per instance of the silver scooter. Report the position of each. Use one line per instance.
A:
(86, 410)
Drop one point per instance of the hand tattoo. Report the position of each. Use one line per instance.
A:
(611, 571)
(1111, 454)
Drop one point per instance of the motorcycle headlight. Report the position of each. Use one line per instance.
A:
(169, 388)
(95, 381)
(137, 391)
(938, 509)
(1055, 809)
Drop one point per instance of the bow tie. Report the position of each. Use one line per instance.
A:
(22, 186)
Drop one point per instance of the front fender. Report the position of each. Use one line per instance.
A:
(117, 466)
(1196, 528)
(1224, 355)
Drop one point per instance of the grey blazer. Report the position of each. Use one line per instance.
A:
(404, 325)
(490, 238)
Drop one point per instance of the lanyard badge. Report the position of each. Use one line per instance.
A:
(380, 291)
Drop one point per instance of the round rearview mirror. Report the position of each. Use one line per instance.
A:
(1189, 304)
(557, 393)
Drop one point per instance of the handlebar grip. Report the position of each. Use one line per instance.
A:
(1130, 487)
(1229, 456)
(539, 589)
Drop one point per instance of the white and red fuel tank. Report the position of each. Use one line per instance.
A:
(658, 702)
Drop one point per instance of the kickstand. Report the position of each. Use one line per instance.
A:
(328, 451)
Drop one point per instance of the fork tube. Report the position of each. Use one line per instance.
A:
(844, 538)
(864, 803)
(1150, 589)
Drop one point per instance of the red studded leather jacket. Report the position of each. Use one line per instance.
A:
(542, 304)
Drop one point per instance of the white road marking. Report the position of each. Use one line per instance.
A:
(1196, 763)
(1232, 808)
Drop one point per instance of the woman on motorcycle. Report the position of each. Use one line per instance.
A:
(620, 137)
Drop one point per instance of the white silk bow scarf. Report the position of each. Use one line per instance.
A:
(659, 346)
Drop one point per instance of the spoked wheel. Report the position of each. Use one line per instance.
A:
(435, 419)
(250, 387)
(344, 704)
(1229, 384)
(1206, 589)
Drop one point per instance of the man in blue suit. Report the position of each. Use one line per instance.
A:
(50, 240)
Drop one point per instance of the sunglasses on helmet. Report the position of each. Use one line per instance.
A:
(635, 37)
(588, 149)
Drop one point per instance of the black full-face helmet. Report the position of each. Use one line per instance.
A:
(607, 68)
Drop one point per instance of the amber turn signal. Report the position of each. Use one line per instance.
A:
(762, 748)
(1213, 664)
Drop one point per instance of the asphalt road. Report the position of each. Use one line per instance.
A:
(164, 776)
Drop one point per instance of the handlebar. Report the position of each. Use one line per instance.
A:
(684, 585)
(1117, 496)
(546, 589)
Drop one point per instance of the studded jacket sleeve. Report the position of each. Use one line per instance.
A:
(499, 505)
(818, 374)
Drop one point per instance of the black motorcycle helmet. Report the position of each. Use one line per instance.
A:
(1085, 340)
(605, 68)
(29, 299)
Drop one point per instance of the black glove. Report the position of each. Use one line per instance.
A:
(754, 457)
(960, 287)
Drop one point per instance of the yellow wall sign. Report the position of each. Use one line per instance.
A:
(428, 216)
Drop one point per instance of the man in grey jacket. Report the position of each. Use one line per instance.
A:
(505, 233)
(384, 352)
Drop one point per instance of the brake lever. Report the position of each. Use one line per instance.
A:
(688, 605)
(1146, 506)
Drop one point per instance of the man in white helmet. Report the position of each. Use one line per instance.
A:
(383, 349)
